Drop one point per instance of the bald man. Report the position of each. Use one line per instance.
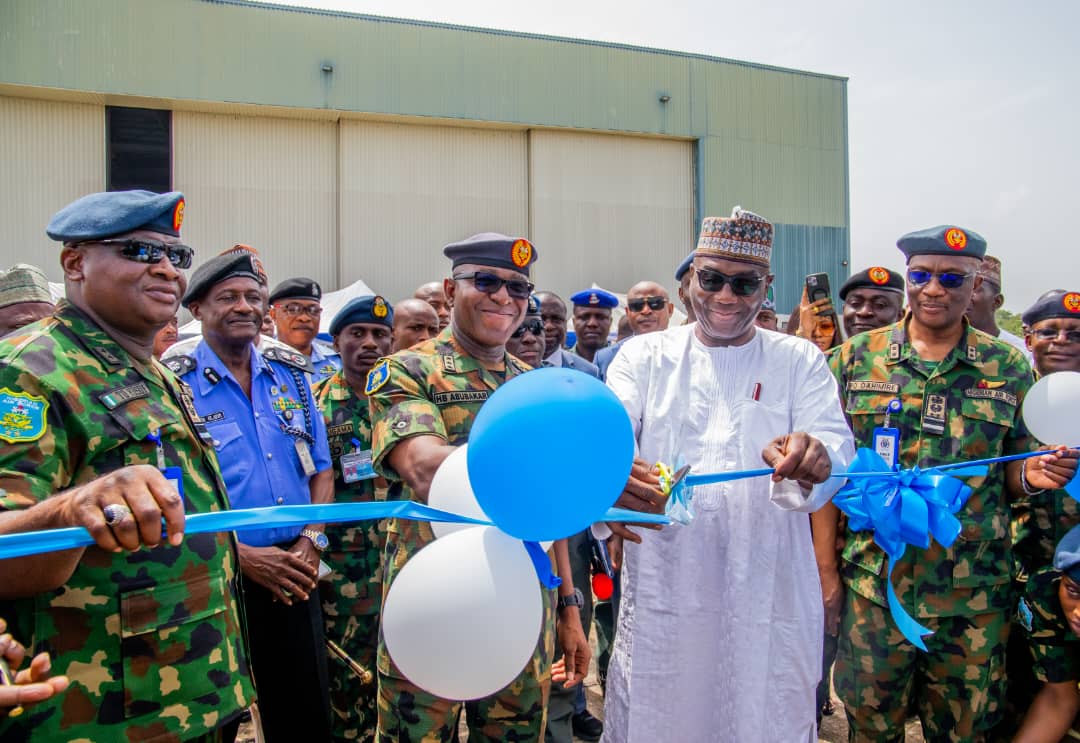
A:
(648, 309)
(415, 321)
(432, 293)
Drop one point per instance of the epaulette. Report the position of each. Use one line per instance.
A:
(292, 358)
(181, 365)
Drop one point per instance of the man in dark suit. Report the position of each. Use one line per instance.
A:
(553, 313)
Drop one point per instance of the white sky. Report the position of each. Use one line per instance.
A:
(959, 112)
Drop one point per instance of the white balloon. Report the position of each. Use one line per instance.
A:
(451, 491)
(1052, 409)
(463, 616)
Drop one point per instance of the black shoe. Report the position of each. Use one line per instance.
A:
(586, 726)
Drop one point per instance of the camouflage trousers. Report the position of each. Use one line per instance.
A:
(956, 688)
(408, 714)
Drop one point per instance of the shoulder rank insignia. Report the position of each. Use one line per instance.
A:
(180, 365)
(285, 356)
(22, 416)
(377, 377)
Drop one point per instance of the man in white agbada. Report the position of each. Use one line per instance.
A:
(720, 626)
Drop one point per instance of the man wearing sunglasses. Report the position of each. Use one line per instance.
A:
(1040, 522)
(423, 401)
(648, 309)
(98, 434)
(720, 622)
(987, 299)
(296, 306)
(960, 393)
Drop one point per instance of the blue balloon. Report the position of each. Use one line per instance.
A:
(549, 453)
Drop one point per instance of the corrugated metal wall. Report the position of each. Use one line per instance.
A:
(406, 191)
(609, 209)
(50, 155)
(270, 183)
(799, 250)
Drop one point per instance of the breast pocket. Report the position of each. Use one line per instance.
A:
(228, 440)
(174, 643)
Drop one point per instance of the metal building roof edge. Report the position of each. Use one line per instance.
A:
(282, 7)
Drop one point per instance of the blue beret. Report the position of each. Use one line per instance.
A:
(875, 277)
(533, 307)
(240, 260)
(594, 298)
(684, 266)
(1054, 303)
(493, 249)
(373, 310)
(298, 288)
(943, 240)
(102, 215)
(1067, 554)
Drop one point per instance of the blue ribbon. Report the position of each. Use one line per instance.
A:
(905, 507)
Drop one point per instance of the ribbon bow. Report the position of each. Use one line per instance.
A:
(905, 507)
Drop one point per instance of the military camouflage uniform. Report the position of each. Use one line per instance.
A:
(1055, 650)
(436, 389)
(1038, 524)
(352, 595)
(151, 640)
(965, 407)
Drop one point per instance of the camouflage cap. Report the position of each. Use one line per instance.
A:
(990, 270)
(744, 236)
(24, 283)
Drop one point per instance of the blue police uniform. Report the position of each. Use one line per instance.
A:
(326, 362)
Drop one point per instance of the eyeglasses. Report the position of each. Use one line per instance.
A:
(713, 281)
(295, 310)
(489, 283)
(655, 303)
(143, 250)
(530, 326)
(1052, 334)
(948, 280)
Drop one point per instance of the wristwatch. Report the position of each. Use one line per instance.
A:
(317, 538)
(577, 598)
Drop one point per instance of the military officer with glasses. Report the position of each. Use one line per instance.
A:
(272, 444)
(960, 393)
(423, 401)
(97, 434)
(295, 306)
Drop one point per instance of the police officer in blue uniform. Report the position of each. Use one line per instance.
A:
(272, 445)
(592, 321)
(296, 307)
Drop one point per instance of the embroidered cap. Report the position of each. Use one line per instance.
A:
(744, 236)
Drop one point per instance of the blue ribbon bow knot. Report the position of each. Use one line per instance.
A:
(905, 507)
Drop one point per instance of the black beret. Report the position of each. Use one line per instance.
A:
(102, 215)
(298, 288)
(943, 240)
(1055, 303)
(239, 260)
(684, 266)
(373, 310)
(493, 249)
(875, 277)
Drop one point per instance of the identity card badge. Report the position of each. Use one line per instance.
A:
(356, 466)
(887, 439)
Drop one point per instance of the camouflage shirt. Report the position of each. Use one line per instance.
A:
(965, 407)
(355, 549)
(433, 388)
(1038, 523)
(1055, 649)
(151, 640)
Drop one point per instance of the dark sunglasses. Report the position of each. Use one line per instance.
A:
(530, 326)
(948, 280)
(143, 250)
(1051, 334)
(489, 283)
(655, 303)
(713, 281)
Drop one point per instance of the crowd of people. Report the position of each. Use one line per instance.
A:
(727, 628)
